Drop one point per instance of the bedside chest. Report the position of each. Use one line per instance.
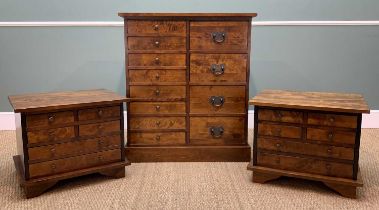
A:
(187, 76)
(67, 134)
(310, 135)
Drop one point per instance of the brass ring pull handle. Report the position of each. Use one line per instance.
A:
(156, 43)
(157, 92)
(218, 37)
(158, 138)
(156, 27)
(217, 69)
(216, 131)
(157, 108)
(100, 113)
(51, 118)
(156, 60)
(217, 101)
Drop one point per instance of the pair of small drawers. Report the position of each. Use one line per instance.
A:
(69, 140)
(307, 141)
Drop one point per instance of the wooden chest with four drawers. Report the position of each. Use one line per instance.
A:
(308, 135)
(67, 134)
(187, 78)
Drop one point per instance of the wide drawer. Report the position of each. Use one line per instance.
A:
(217, 99)
(217, 130)
(218, 67)
(157, 76)
(99, 113)
(157, 60)
(286, 131)
(156, 28)
(149, 123)
(333, 136)
(73, 163)
(161, 138)
(51, 135)
(306, 165)
(96, 129)
(280, 116)
(49, 119)
(346, 121)
(74, 148)
(157, 108)
(157, 43)
(306, 148)
(157, 92)
(216, 35)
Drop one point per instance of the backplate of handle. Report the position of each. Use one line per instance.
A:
(217, 101)
(217, 69)
(216, 131)
(218, 37)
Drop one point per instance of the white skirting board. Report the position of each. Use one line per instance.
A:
(369, 120)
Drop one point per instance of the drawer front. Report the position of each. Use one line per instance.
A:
(51, 135)
(74, 148)
(74, 163)
(217, 130)
(306, 148)
(162, 138)
(49, 119)
(157, 108)
(306, 165)
(99, 113)
(157, 76)
(218, 67)
(156, 28)
(279, 130)
(217, 99)
(99, 128)
(280, 116)
(212, 35)
(158, 92)
(333, 136)
(149, 123)
(157, 60)
(157, 43)
(345, 121)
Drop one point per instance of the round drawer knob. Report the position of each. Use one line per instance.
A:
(157, 92)
(157, 108)
(156, 60)
(51, 118)
(100, 113)
(156, 27)
(156, 43)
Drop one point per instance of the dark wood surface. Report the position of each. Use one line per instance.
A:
(218, 15)
(335, 102)
(63, 100)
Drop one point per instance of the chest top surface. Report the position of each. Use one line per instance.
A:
(323, 101)
(59, 100)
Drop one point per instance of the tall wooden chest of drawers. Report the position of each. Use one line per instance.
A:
(187, 78)
(309, 135)
(67, 134)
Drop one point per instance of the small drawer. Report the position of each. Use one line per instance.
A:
(280, 116)
(51, 135)
(346, 121)
(306, 148)
(49, 119)
(73, 163)
(218, 68)
(99, 128)
(332, 136)
(285, 131)
(217, 130)
(149, 123)
(158, 60)
(161, 138)
(99, 113)
(217, 99)
(157, 76)
(305, 165)
(157, 108)
(158, 92)
(156, 28)
(74, 148)
(213, 35)
(157, 43)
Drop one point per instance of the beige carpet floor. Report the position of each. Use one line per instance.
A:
(190, 186)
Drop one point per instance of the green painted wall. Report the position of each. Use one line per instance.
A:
(319, 58)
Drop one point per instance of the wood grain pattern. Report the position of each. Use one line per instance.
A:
(50, 119)
(234, 67)
(99, 113)
(200, 130)
(156, 60)
(157, 107)
(157, 77)
(103, 128)
(286, 131)
(235, 35)
(337, 102)
(156, 28)
(130, 15)
(330, 135)
(51, 135)
(346, 121)
(149, 123)
(234, 99)
(280, 116)
(158, 92)
(157, 138)
(156, 43)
